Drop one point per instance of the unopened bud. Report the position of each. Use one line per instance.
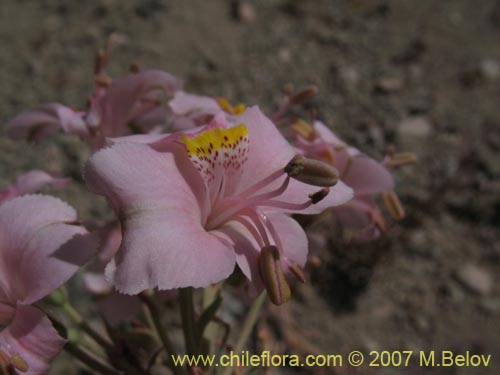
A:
(303, 129)
(319, 195)
(304, 95)
(19, 363)
(393, 206)
(273, 276)
(402, 158)
(312, 172)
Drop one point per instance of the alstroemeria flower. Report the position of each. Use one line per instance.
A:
(127, 105)
(364, 175)
(41, 247)
(194, 205)
(31, 182)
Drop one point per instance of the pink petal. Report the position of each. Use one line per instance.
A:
(160, 199)
(39, 250)
(184, 104)
(44, 120)
(269, 151)
(31, 336)
(120, 102)
(367, 176)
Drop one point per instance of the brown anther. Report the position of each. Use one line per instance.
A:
(315, 260)
(304, 95)
(401, 158)
(379, 221)
(303, 129)
(134, 68)
(312, 172)
(272, 274)
(393, 206)
(102, 80)
(297, 272)
(319, 195)
(288, 89)
(19, 363)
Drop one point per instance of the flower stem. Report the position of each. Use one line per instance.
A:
(247, 328)
(90, 360)
(154, 316)
(187, 315)
(78, 320)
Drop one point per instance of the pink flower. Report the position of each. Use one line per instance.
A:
(364, 175)
(193, 205)
(44, 120)
(41, 247)
(127, 105)
(31, 182)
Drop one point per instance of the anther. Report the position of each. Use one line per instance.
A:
(19, 363)
(400, 159)
(273, 276)
(134, 68)
(304, 95)
(319, 195)
(311, 172)
(393, 206)
(303, 129)
(297, 272)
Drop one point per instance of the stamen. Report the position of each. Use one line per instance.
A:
(19, 363)
(273, 276)
(248, 225)
(304, 95)
(314, 198)
(303, 129)
(228, 208)
(400, 159)
(312, 172)
(296, 271)
(394, 206)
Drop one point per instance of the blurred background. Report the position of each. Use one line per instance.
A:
(423, 76)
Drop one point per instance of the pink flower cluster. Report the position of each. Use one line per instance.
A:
(198, 187)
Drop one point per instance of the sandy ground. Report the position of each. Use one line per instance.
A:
(421, 75)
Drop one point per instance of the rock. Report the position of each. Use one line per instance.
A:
(490, 306)
(387, 85)
(247, 13)
(415, 127)
(475, 279)
(490, 69)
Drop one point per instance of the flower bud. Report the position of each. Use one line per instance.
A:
(273, 276)
(312, 172)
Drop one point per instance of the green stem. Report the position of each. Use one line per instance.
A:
(90, 360)
(247, 328)
(154, 317)
(187, 315)
(78, 320)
